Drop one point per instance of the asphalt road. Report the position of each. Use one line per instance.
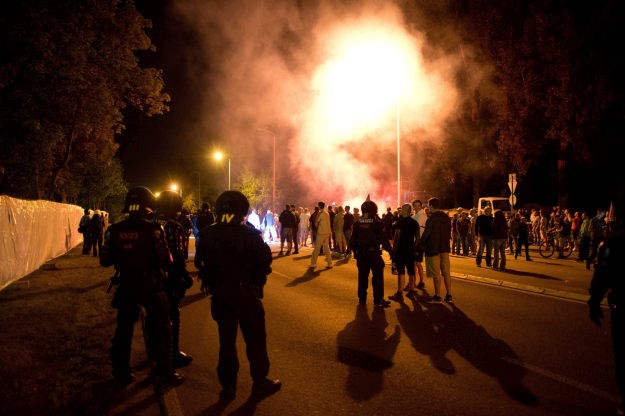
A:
(497, 350)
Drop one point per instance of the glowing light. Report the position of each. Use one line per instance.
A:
(173, 187)
(372, 72)
(218, 155)
(363, 80)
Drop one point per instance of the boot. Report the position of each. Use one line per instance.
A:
(179, 358)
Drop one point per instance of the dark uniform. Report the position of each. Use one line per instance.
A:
(204, 218)
(178, 280)
(185, 220)
(138, 250)
(608, 279)
(367, 236)
(234, 263)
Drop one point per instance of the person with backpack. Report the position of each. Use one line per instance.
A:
(83, 228)
(96, 231)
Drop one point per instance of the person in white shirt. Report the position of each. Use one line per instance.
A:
(322, 238)
(420, 217)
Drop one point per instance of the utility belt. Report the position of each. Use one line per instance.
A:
(138, 277)
(236, 286)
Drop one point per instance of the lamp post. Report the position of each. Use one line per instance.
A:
(273, 188)
(219, 156)
(199, 192)
(398, 162)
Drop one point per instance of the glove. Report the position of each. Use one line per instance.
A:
(595, 313)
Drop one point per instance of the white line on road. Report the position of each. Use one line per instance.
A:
(562, 379)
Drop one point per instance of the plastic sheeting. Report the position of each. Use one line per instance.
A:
(33, 232)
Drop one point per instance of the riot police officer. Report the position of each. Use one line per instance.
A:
(168, 205)
(608, 279)
(138, 250)
(367, 236)
(234, 263)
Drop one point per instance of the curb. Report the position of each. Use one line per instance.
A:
(576, 297)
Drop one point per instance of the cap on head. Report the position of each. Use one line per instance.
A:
(168, 204)
(139, 200)
(231, 207)
(369, 207)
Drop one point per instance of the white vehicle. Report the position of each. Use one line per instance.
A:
(495, 202)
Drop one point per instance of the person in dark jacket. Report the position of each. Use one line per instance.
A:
(83, 228)
(367, 236)
(96, 230)
(405, 241)
(139, 252)
(348, 226)
(523, 240)
(287, 223)
(462, 228)
(484, 233)
(295, 231)
(233, 263)
(204, 218)
(500, 239)
(169, 204)
(435, 240)
(608, 279)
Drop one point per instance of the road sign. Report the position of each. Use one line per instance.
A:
(512, 182)
(513, 200)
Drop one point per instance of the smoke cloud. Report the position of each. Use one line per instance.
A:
(336, 84)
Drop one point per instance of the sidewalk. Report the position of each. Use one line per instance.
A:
(57, 325)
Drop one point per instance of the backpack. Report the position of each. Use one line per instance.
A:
(83, 226)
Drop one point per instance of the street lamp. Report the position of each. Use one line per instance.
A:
(199, 192)
(174, 187)
(273, 190)
(398, 162)
(219, 156)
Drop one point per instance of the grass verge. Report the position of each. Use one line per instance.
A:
(56, 329)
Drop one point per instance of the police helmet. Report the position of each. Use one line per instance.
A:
(231, 207)
(168, 204)
(369, 207)
(139, 200)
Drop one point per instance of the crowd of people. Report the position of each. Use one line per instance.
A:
(233, 259)
(92, 225)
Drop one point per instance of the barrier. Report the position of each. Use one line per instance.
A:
(33, 232)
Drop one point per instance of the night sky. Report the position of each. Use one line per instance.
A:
(235, 68)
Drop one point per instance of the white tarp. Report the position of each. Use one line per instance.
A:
(33, 232)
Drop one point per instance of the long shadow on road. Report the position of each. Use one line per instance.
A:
(437, 329)
(309, 275)
(364, 346)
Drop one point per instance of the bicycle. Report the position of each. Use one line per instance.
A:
(548, 245)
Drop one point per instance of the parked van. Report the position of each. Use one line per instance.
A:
(495, 202)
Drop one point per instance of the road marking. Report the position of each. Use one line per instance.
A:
(170, 405)
(565, 380)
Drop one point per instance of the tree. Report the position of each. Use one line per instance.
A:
(70, 69)
(257, 188)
